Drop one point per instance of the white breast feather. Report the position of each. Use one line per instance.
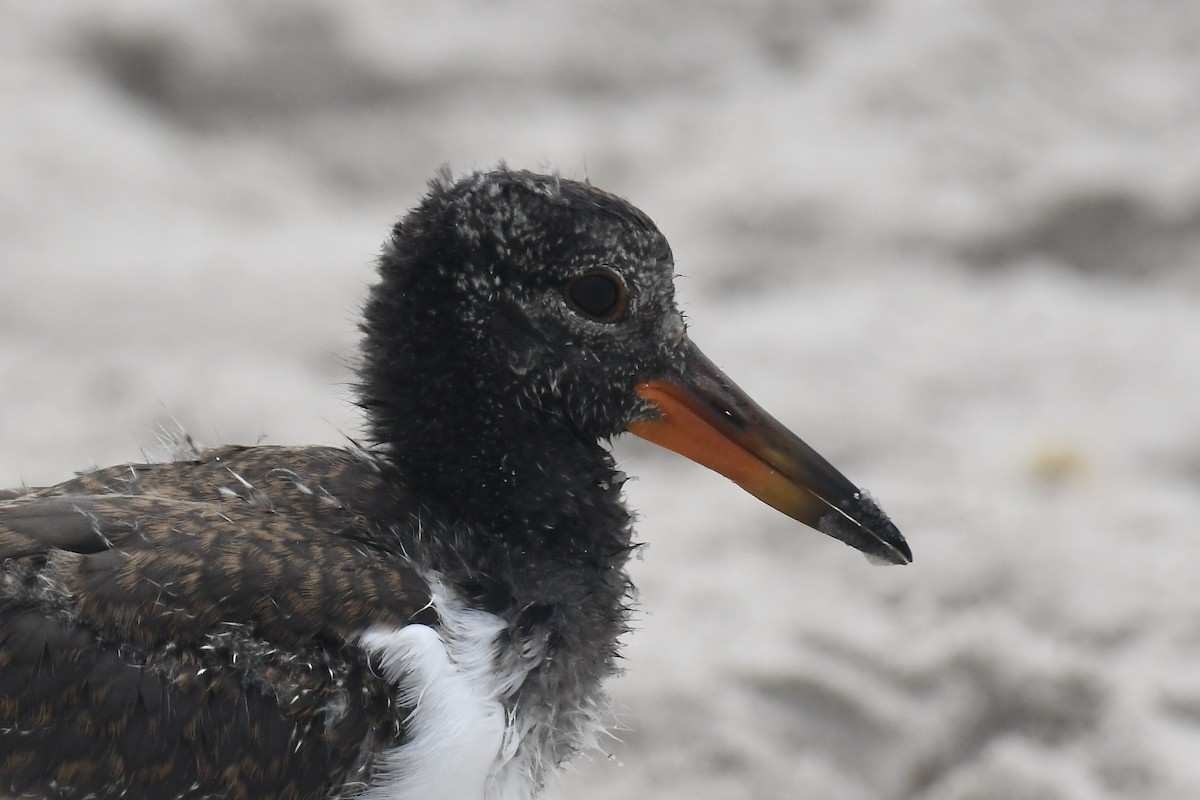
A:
(461, 739)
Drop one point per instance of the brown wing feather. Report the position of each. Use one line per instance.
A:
(187, 629)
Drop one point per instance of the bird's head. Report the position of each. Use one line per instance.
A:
(511, 293)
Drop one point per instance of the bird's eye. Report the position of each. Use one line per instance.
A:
(598, 295)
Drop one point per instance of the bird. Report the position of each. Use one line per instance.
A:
(430, 612)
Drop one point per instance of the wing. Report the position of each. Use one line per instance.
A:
(188, 629)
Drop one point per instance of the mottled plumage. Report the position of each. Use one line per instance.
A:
(181, 629)
(431, 616)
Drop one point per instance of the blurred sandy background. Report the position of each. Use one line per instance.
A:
(954, 243)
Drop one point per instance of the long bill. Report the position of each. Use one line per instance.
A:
(705, 416)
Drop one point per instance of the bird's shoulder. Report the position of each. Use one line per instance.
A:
(294, 541)
(169, 625)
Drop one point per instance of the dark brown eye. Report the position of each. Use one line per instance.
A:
(599, 295)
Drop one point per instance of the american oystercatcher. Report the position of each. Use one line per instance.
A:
(432, 615)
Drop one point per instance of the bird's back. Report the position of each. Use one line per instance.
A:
(189, 629)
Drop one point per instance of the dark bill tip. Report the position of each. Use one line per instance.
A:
(863, 525)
